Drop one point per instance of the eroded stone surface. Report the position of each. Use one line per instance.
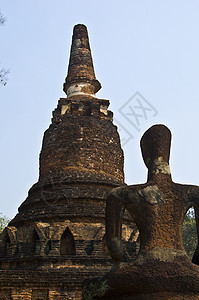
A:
(57, 238)
(158, 207)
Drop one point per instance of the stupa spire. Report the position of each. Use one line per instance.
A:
(81, 78)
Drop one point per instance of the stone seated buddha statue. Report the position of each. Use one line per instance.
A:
(162, 270)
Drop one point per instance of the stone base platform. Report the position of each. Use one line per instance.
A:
(148, 280)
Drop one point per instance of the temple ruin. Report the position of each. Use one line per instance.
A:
(162, 269)
(56, 240)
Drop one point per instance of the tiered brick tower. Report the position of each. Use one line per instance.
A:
(56, 239)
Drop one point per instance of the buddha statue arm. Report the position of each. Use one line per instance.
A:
(195, 258)
(193, 192)
(114, 215)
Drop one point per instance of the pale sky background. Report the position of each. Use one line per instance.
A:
(150, 47)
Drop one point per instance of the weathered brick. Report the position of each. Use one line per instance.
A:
(56, 239)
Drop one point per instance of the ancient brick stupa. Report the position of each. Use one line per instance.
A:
(56, 239)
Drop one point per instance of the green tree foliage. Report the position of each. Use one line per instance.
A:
(189, 233)
(3, 76)
(3, 222)
(2, 19)
(3, 72)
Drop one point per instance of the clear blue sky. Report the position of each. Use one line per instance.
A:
(147, 46)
